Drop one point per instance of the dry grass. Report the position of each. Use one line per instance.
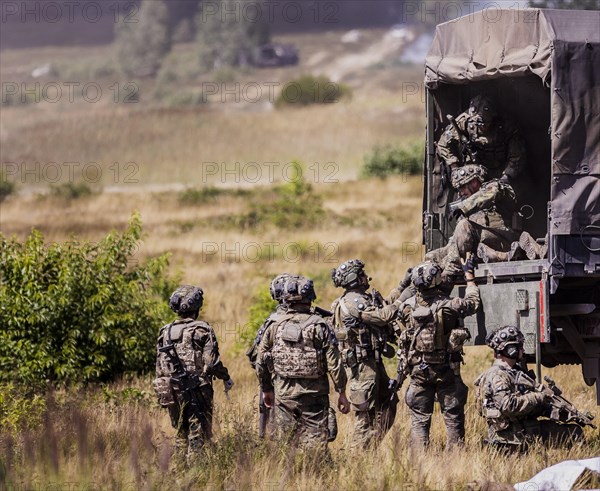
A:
(96, 441)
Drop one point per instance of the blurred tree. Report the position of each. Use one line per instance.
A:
(227, 31)
(565, 4)
(143, 42)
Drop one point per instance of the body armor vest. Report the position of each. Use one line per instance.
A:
(181, 335)
(297, 351)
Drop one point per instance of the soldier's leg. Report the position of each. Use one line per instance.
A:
(419, 399)
(560, 434)
(452, 396)
(181, 425)
(362, 395)
(286, 418)
(313, 422)
(466, 236)
(200, 426)
(332, 426)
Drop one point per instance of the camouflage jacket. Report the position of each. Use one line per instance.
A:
(204, 349)
(448, 310)
(324, 339)
(507, 405)
(252, 353)
(494, 196)
(359, 322)
(501, 149)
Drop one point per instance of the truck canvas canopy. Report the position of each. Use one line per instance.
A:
(562, 49)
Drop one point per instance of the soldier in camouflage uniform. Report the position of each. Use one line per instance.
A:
(363, 325)
(295, 354)
(484, 216)
(430, 349)
(512, 407)
(187, 361)
(277, 293)
(492, 142)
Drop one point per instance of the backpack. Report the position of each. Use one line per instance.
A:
(296, 351)
(427, 328)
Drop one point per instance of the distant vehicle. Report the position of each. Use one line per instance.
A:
(275, 55)
(542, 67)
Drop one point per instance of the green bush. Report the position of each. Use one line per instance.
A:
(79, 311)
(71, 190)
(309, 89)
(19, 409)
(389, 160)
(6, 187)
(294, 205)
(262, 306)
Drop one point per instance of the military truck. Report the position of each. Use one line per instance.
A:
(543, 69)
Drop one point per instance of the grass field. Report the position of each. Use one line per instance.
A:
(115, 436)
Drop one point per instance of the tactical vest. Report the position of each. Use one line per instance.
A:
(181, 334)
(429, 341)
(297, 352)
(349, 329)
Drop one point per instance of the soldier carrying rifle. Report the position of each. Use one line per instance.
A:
(515, 406)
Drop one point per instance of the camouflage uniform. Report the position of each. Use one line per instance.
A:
(501, 149)
(195, 347)
(511, 402)
(487, 219)
(294, 355)
(512, 411)
(433, 353)
(364, 330)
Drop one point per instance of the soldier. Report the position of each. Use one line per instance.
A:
(525, 248)
(186, 363)
(480, 136)
(277, 293)
(431, 351)
(484, 215)
(294, 355)
(363, 325)
(510, 400)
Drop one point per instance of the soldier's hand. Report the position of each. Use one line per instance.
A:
(456, 213)
(468, 265)
(505, 179)
(228, 384)
(269, 398)
(343, 403)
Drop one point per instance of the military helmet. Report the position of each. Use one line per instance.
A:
(348, 274)
(465, 174)
(498, 340)
(427, 275)
(186, 299)
(277, 285)
(482, 109)
(296, 288)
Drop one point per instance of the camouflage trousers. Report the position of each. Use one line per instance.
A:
(303, 419)
(521, 434)
(426, 383)
(369, 394)
(192, 431)
(482, 227)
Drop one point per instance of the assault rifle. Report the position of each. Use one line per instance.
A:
(377, 298)
(563, 410)
(558, 408)
(465, 141)
(322, 312)
(186, 385)
(396, 383)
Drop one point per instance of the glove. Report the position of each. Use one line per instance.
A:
(505, 179)
(456, 213)
(407, 279)
(228, 384)
(468, 266)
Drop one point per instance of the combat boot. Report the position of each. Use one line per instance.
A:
(532, 249)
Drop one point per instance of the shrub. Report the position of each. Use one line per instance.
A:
(70, 190)
(142, 45)
(6, 187)
(79, 311)
(309, 89)
(18, 409)
(388, 160)
(262, 306)
(227, 40)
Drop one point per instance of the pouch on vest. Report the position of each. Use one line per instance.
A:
(424, 322)
(164, 391)
(291, 332)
